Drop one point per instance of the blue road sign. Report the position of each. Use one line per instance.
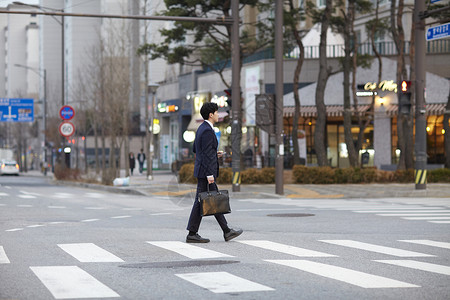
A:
(434, 1)
(16, 110)
(438, 32)
(67, 112)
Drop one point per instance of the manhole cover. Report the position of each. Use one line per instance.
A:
(180, 264)
(290, 215)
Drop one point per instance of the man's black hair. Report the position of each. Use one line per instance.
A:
(208, 108)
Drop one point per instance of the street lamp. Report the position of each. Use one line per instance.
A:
(43, 8)
(149, 129)
(37, 71)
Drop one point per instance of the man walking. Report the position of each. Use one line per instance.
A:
(206, 170)
(141, 159)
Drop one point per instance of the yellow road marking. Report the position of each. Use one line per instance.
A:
(167, 193)
(305, 193)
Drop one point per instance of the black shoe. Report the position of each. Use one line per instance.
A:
(196, 239)
(232, 234)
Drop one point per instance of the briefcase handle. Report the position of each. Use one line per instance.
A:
(217, 188)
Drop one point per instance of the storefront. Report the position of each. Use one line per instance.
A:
(377, 109)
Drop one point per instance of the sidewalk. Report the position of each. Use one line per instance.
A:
(165, 183)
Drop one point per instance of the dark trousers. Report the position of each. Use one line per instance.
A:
(195, 218)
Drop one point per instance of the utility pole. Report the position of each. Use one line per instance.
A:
(421, 122)
(236, 131)
(279, 151)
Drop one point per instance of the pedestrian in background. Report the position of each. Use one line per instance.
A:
(132, 161)
(206, 170)
(141, 159)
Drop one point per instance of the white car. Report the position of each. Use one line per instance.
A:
(9, 167)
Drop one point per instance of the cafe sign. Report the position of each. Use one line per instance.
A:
(385, 86)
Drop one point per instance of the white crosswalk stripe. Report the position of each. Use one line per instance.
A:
(223, 282)
(286, 249)
(426, 218)
(95, 195)
(376, 248)
(439, 222)
(412, 215)
(3, 258)
(68, 282)
(27, 196)
(4, 194)
(428, 243)
(88, 252)
(353, 277)
(187, 250)
(445, 270)
(63, 195)
(404, 211)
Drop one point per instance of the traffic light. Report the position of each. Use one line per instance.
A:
(229, 100)
(404, 98)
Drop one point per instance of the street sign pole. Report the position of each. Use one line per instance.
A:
(279, 159)
(236, 125)
(421, 135)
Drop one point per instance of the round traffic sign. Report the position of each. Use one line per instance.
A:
(66, 129)
(67, 112)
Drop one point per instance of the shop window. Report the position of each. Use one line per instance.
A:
(435, 140)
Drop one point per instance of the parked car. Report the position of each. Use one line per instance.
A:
(9, 167)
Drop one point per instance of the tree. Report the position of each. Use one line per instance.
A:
(404, 121)
(345, 25)
(447, 133)
(324, 18)
(201, 44)
(292, 18)
(107, 84)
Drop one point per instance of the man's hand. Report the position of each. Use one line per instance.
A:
(220, 154)
(210, 179)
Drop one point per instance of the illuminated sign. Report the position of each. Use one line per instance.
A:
(164, 108)
(385, 85)
(221, 101)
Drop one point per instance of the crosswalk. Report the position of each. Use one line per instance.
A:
(74, 281)
(437, 211)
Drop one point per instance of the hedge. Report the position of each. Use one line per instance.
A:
(265, 175)
(319, 175)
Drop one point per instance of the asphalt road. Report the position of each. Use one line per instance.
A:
(75, 243)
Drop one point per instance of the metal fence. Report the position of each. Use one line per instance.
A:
(335, 51)
(383, 48)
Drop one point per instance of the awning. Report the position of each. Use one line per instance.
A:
(433, 109)
(332, 110)
(195, 122)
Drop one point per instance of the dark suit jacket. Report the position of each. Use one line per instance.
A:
(205, 148)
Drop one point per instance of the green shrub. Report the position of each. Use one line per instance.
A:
(225, 176)
(321, 175)
(63, 173)
(384, 176)
(404, 176)
(368, 175)
(250, 176)
(439, 175)
(186, 174)
(344, 175)
(258, 176)
(267, 175)
(300, 174)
